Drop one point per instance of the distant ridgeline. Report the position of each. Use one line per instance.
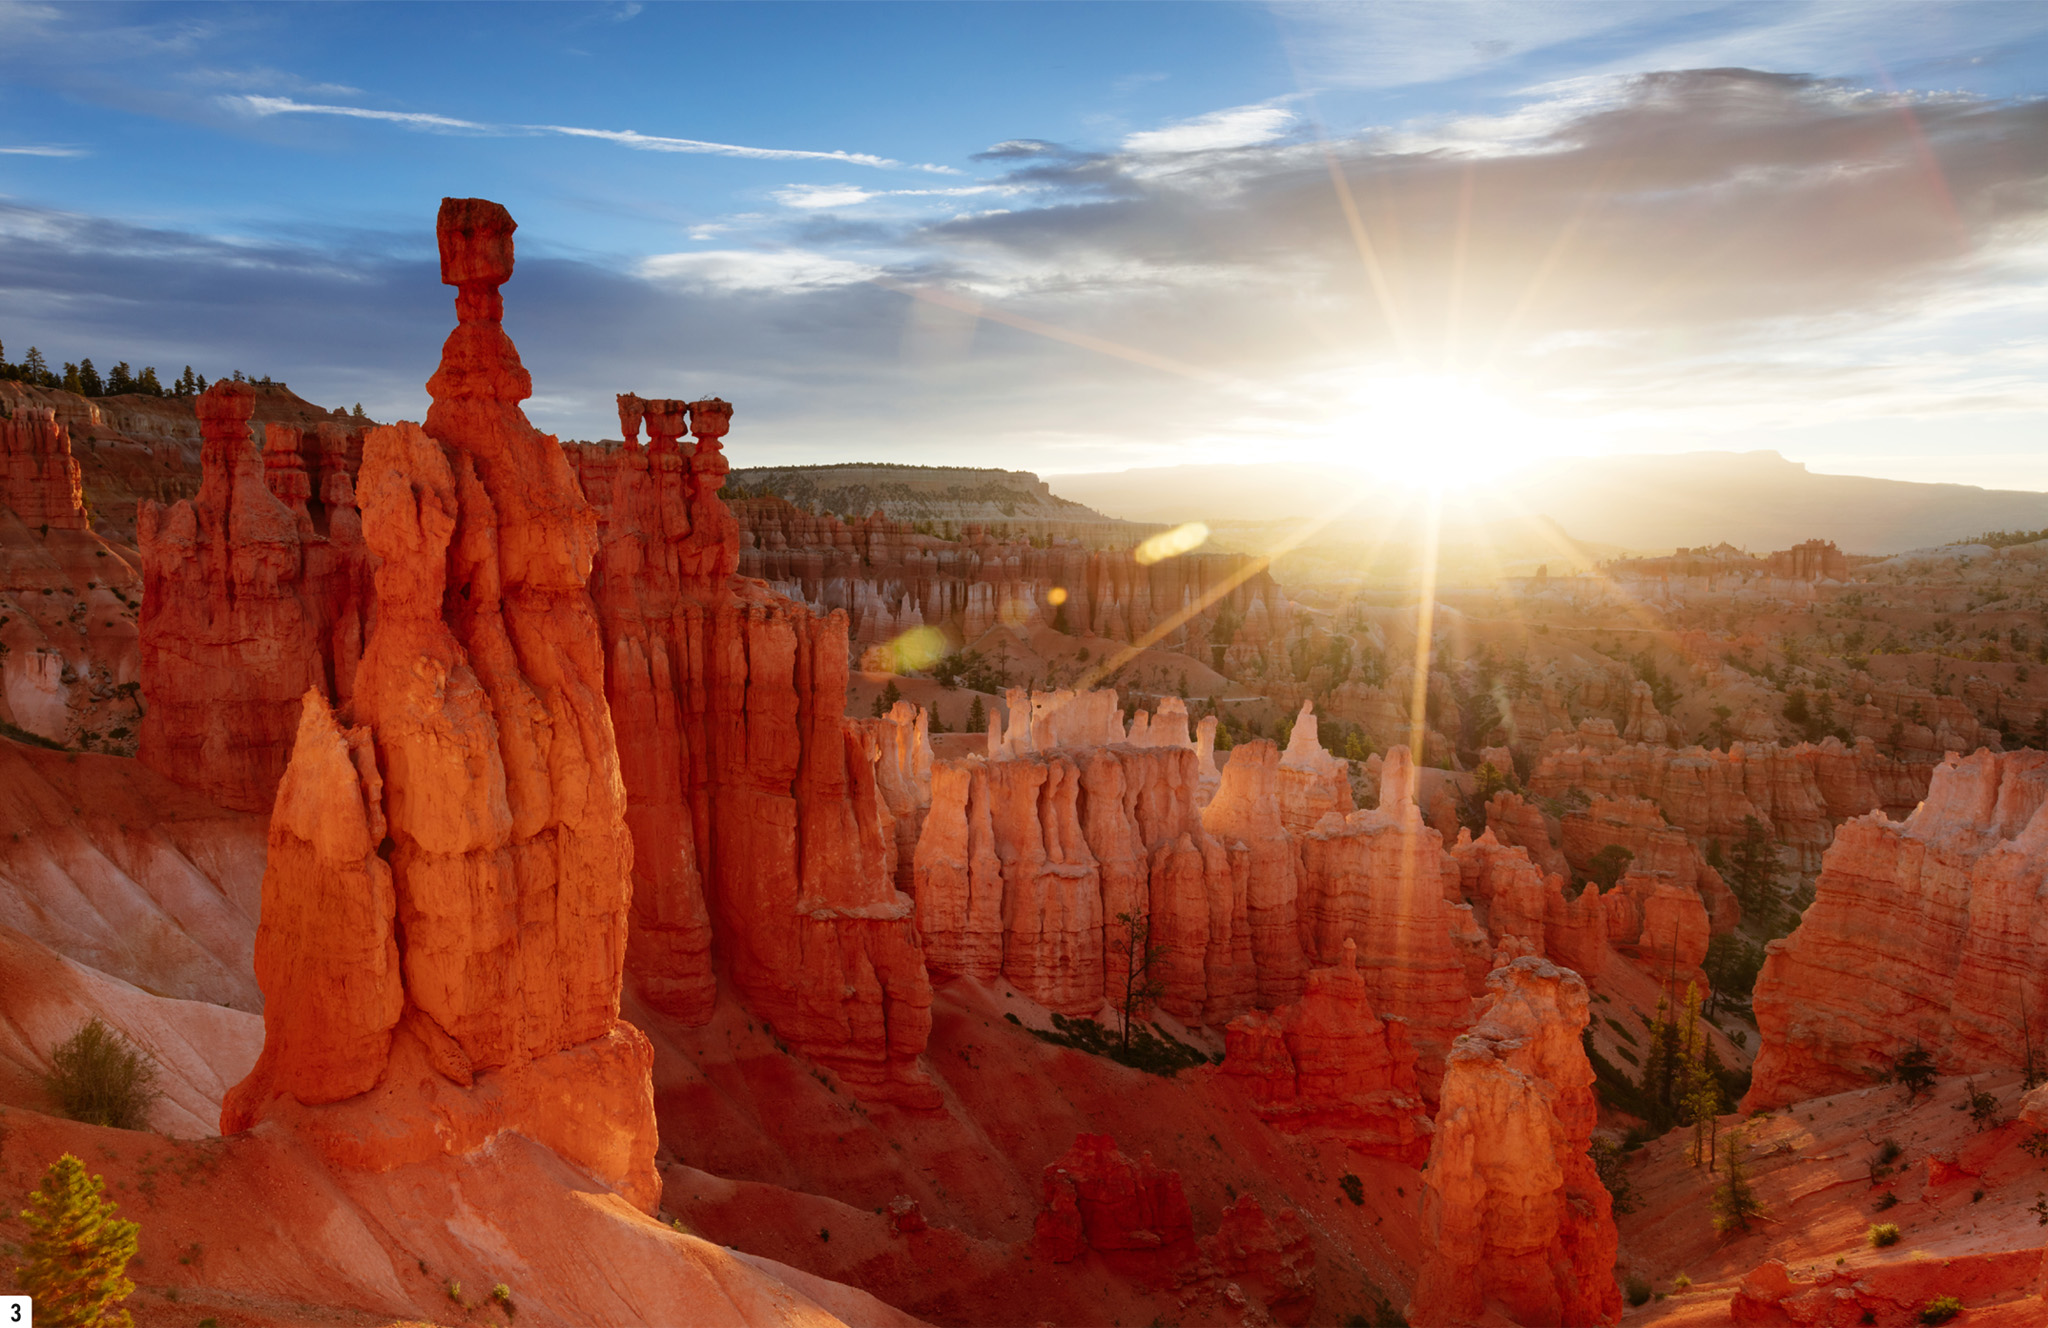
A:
(939, 500)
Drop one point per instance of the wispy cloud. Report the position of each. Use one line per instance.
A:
(249, 104)
(39, 151)
(813, 196)
(1237, 127)
(746, 270)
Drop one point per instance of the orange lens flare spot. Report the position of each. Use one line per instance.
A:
(1056, 596)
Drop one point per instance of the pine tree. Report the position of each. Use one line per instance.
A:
(359, 412)
(33, 364)
(147, 383)
(185, 387)
(120, 379)
(77, 1251)
(977, 717)
(1735, 1201)
(89, 379)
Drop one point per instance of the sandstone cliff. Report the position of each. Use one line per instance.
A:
(754, 805)
(1923, 933)
(1328, 1061)
(68, 599)
(254, 592)
(1518, 1221)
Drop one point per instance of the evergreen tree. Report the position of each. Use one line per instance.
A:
(1141, 985)
(147, 383)
(1735, 1201)
(888, 697)
(185, 387)
(77, 1251)
(977, 717)
(33, 366)
(72, 382)
(89, 380)
(120, 379)
(359, 412)
(1699, 1088)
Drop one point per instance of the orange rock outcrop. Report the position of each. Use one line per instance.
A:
(444, 912)
(753, 802)
(1381, 878)
(1517, 1222)
(40, 481)
(1923, 933)
(1328, 1061)
(1637, 825)
(254, 592)
(1799, 794)
(1029, 862)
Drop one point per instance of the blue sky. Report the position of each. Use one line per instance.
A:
(1079, 237)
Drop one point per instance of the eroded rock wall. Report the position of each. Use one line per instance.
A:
(1923, 932)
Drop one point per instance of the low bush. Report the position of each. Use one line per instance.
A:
(1883, 1234)
(1353, 1187)
(97, 1078)
(1941, 1309)
(1637, 1290)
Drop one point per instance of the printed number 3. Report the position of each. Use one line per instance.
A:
(17, 1313)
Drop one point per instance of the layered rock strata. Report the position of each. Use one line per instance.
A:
(890, 576)
(1328, 1061)
(445, 899)
(1517, 1222)
(1382, 879)
(754, 803)
(1923, 933)
(69, 660)
(254, 593)
(1051, 867)
(1798, 794)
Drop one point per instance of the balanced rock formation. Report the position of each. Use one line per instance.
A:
(1923, 933)
(444, 904)
(1329, 1061)
(1313, 783)
(753, 802)
(1517, 1221)
(254, 593)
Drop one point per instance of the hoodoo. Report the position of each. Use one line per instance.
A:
(444, 906)
(751, 797)
(1517, 1219)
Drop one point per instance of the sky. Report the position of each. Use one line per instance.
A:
(1405, 238)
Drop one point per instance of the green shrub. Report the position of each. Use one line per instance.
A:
(1941, 1309)
(1353, 1187)
(1638, 1291)
(1883, 1234)
(96, 1077)
(1681, 1283)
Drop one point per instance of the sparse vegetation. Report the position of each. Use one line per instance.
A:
(1941, 1309)
(1637, 1290)
(1735, 1201)
(1143, 1047)
(97, 1078)
(1883, 1234)
(1353, 1187)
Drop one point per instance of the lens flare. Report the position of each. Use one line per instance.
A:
(1172, 543)
(918, 648)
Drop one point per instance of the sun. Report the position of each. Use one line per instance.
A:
(1430, 431)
